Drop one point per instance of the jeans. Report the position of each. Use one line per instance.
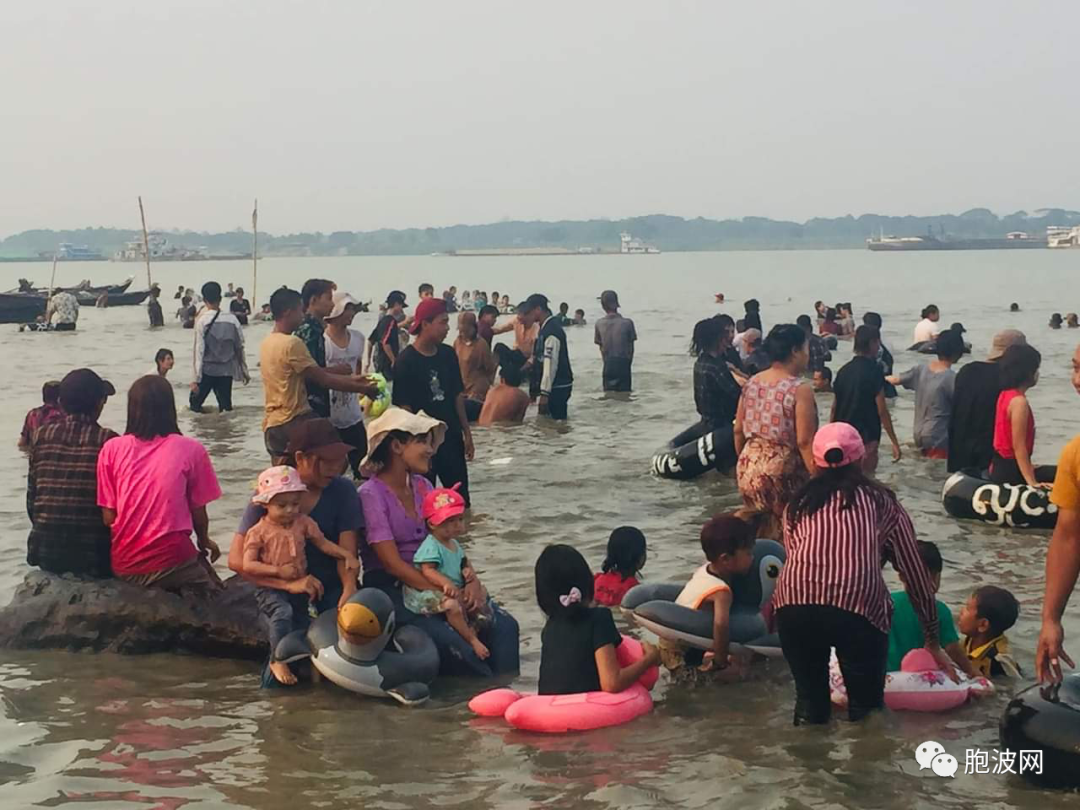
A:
(616, 374)
(449, 465)
(807, 632)
(456, 657)
(222, 388)
(282, 613)
(557, 403)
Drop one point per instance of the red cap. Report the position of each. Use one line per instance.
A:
(442, 504)
(426, 310)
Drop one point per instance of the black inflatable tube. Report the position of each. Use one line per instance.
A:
(930, 347)
(1046, 719)
(969, 497)
(696, 451)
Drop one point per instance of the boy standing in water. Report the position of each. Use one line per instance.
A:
(860, 398)
(317, 296)
(551, 357)
(615, 335)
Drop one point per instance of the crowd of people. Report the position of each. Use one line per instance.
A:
(350, 501)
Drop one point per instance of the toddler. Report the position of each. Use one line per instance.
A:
(443, 563)
(625, 558)
(906, 632)
(728, 543)
(274, 547)
(577, 652)
(984, 618)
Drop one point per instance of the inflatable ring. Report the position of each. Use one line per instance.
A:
(584, 711)
(1047, 719)
(374, 408)
(1018, 506)
(694, 452)
(919, 686)
(358, 648)
(654, 607)
(930, 347)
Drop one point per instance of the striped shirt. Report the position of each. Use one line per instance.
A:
(835, 556)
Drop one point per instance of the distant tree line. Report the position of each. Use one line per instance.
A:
(665, 232)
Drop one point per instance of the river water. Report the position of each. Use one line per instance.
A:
(169, 731)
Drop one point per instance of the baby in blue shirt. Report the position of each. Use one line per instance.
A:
(443, 563)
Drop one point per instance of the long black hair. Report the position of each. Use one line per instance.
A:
(1018, 366)
(783, 341)
(560, 569)
(625, 551)
(829, 481)
(707, 333)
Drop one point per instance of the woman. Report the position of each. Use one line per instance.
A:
(316, 451)
(477, 364)
(1014, 423)
(774, 427)
(163, 362)
(400, 448)
(716, 389)
(838, 529)
(845, 320)
(240, 307)
(153, 488)
(829, 326)
(926, 329)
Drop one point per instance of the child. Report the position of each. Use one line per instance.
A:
(728, 543)
(577, 645)
(625, 558)
(906, 633)
(579, 317)
(444, 564)
(48, 411)
(984, 618)
(274, 547)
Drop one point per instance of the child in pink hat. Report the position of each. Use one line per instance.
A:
(274, 548)
(443, 563)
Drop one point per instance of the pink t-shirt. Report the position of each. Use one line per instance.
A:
(153, 486)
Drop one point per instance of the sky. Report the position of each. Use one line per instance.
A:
(352, 115)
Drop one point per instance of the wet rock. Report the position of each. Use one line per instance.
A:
(64, 612)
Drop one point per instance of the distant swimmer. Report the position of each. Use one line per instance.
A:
(719, 298)
(1056, 320)
(1071, 320)
(1014, 307)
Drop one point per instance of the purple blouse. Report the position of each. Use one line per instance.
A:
(387, 520)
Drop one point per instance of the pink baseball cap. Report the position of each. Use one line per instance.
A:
(442, 504)
(838, 436)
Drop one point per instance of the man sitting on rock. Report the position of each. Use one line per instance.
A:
(68, 534)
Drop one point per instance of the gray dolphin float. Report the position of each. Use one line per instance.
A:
(360, 649)
(654, 607)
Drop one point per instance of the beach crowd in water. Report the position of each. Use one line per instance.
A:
(369, 440)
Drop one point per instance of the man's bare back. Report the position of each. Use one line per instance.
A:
(504, 404)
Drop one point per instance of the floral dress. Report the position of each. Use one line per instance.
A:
(770, 467)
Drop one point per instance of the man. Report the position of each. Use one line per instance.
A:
(425, 290)
(317, 296)
(551, 358)
(287, 368)
(615, 335)
(64, 308)
(230, 293)
(48, 411)
(450, 297)
(179, 292)
(563, 317)
(345, 347)
(427, 378)
(506, 403)
(240, 307)
(860, 398)
(384, 342)
(815, 346)
(485, 324)
(1062, 557)
(68, 533)
(219, 353)
(975, 396)
(153, 308)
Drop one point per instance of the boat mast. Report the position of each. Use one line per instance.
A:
(146, 244)
(255, 253)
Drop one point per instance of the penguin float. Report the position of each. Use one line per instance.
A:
(360, 648)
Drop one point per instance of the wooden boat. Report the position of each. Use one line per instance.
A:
(124, 299)
(18, 308)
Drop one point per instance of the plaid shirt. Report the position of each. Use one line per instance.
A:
(716, 394)
(311, 332)
(818, 352)
(38, 417)
(61, 497)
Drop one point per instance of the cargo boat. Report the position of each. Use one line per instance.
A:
(1017, 240)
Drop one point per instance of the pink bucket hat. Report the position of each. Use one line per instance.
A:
(442, 504)
(275, 481)
(838, 436)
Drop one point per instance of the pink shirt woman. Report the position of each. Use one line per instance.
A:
(153, 488)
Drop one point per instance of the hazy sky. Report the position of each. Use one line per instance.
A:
(355, 115)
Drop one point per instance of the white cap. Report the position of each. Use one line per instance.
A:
(342, 300)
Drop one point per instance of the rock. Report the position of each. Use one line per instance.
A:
(65, 612)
